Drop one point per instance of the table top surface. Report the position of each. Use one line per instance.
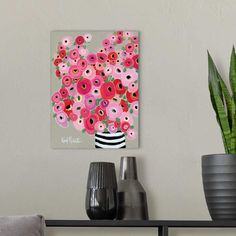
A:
(141, 223)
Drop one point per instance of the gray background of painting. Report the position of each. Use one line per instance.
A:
(87, 141)
(178, 123)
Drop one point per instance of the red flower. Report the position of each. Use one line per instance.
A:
(108, 90)
(84, 86)
(68, 106)
(120, 33)
(79, 40)
(73, 116)
(119, 39)
(132, 96)
(101, 113)
(64, 92)
(128, 62)
(125, 126)
(84, 112)
(57, 61)
(62, 53)
(124, 105)
(135, 59)
(112, 56)
(102, 57)
(90, 122)
(120, 89)
(58, 73)
(117, 124)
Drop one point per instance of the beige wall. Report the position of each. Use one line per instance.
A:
(177, 122)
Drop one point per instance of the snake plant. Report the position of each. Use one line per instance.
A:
(223, 101)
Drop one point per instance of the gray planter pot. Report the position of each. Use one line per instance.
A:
(219, 182)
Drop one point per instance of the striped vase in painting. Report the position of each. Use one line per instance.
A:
(110, 140)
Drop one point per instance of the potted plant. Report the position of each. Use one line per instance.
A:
(219, 170)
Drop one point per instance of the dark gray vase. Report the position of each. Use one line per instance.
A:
(101, 196)
(219, 182)
(131, 196)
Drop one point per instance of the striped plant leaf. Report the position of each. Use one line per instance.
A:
(224, 106)
(229, 102)
(232, 73)
(223, 120)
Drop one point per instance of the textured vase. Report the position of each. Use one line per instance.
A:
(131, 196)
(110, 140)
(101, 197)
(219, 182)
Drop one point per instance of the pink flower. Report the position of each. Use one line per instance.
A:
(105, 43)
(66, 80)
(127, 34)
(97, 81)
(77, 107)
(104, 103)
(135, 39)
(99, 126)
(87, 37)
(108, 70)
(132, 87)
(126, 117)
(71, 89)
(75, 72)
(117, 72)
(114, 110)
(79, 124)
(74, 54)
(83, 51)
(112, 129)
(95, 92)
(56, 97)
(66, 41)
(92, 58)
(129, 77)
(129, 47)
(131, 134)
(82, 64)
(110, 48)
(61, 119)
(90, 102)
(99, 66)
(63, 67)
(135, 108)
(59, 107)
(89, 72)
(112, 38)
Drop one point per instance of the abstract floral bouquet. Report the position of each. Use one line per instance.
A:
(98, 91)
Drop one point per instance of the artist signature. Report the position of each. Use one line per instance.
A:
(70, 140)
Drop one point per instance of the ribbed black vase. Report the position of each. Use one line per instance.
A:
(101, 201)
(132, 200)
(219, 182)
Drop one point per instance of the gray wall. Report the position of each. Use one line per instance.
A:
(177, 121)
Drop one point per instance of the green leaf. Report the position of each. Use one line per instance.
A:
(232, 73)
(83, 131)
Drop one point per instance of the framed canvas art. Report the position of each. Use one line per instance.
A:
(94, 89)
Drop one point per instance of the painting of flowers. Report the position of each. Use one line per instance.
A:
(94, 98)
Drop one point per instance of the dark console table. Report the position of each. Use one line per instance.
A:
(162, 225)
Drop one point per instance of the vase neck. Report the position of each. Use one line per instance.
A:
(128, 168)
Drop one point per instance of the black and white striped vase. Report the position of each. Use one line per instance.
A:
(110, 140)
